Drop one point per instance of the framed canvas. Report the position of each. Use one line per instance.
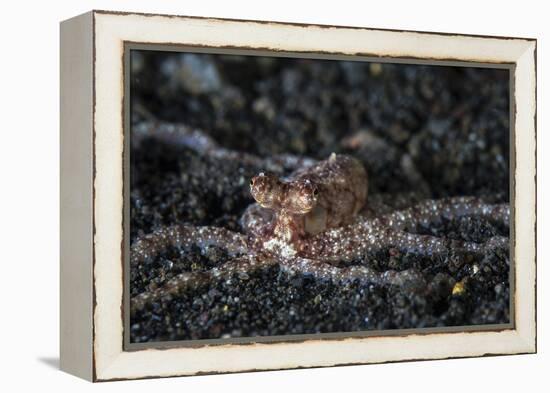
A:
(245, 195)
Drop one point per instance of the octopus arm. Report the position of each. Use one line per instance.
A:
(202, 143)
(430, 245)
(256, 220)
(147, 247)
(431, 211)
(188, 281)
(369, 234)
(363, 243)
(364, 275)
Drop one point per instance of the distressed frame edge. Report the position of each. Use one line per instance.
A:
(526, 339)
(525, 178)
(76, 196)
(298, 338)
(304, 24)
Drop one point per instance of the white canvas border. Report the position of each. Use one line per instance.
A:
(112, 30)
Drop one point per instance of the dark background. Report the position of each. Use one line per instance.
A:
(451, 124)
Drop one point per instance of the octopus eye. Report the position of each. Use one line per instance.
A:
(251, 182)
(315, 192)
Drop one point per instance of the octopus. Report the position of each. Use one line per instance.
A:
(315, 221)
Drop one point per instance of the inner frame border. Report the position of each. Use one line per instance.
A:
(129, 46)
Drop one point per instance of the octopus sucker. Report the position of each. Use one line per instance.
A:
(312, 222)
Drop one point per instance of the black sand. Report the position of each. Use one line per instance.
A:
(450, 124)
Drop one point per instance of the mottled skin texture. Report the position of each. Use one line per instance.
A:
(326, 195)
(283, 229)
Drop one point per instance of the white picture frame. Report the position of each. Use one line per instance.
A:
(92, 193)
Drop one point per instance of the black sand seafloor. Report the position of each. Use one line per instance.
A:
(449, 123)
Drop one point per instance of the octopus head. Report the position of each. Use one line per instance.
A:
(267, 190)
(295, 197)
(301, 197)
